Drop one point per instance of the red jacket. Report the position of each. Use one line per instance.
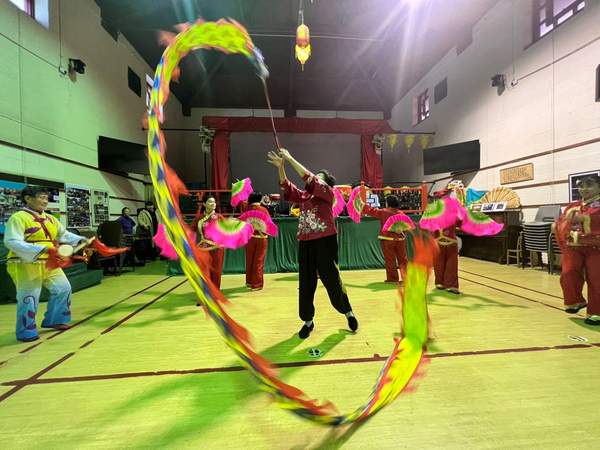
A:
(316, 202)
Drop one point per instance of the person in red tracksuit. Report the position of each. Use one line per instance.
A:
(256, 250)
(217, 254)
(392, 244)
(581, 257)
(446, 263)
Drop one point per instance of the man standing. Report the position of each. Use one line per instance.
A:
(29, 234)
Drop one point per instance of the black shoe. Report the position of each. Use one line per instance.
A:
(305, 331)
(352, 323)
(590, 321)
(573, 309)
(29, 339)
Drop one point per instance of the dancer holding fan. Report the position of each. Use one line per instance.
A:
(256, 250)
(207, 213)
(392, 244)
(317, 236)
(442, 217)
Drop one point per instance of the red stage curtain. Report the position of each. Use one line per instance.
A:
(220, 161)
(371, 171)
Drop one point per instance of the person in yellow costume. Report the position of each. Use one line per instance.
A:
(29, 234)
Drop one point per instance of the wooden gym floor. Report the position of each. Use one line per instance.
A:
(144, 368)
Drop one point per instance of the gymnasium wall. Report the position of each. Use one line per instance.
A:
(549, 108)
(58, 117)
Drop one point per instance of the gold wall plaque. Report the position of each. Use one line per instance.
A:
(517, 173)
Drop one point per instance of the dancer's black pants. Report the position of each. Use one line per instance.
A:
(320, 256)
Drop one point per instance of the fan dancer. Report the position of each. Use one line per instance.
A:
(256, 250)
(392, 244)
(317, 236)
(445, 265)
(206, 213)
(578, 232)
(30, 234)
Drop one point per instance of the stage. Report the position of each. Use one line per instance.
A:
(144, 368)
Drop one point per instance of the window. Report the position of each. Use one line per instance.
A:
(549, 14)
(149, 84)
(27, 6)
(422, 106)
(440, 91)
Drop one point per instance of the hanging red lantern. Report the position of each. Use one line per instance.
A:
(302, 44)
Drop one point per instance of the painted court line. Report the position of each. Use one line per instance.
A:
(513, 294)
(30, 347)
(330, 362)
(47, 369)
(111, 306)
(91, 316)
(23, 383)
(87, 343)
(126, 318)
(511, 284)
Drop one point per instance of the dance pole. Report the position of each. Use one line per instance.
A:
(266, 90)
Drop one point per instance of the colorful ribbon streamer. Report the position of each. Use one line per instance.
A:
(400, 366)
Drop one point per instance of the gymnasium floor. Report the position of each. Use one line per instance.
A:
(144, 368)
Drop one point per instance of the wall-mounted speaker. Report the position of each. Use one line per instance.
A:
(134, 82)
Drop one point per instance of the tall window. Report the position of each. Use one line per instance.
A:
(149, 84)
(28, 6)
(422, 106)
(549, 14)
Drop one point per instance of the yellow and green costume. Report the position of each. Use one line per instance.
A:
(28, 235)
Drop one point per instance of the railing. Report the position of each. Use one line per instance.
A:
(222, 197)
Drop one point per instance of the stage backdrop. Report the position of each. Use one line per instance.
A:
(340, 153)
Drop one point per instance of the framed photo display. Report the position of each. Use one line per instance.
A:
(78, 206)
(573, 178)
(10, 200)
(99, 207)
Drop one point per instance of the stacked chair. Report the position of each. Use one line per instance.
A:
(537, 234)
